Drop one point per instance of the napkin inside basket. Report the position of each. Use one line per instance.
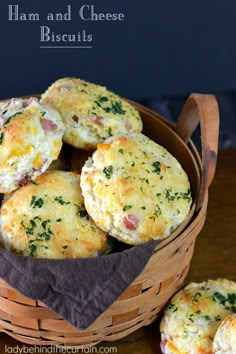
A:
(78, 290)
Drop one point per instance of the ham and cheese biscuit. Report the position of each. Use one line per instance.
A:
(47, 219)
(134, 189)
(225, 337)
(192, 317)
(30, 139)
(90, 112)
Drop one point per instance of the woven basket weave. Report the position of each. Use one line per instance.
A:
(32, 322)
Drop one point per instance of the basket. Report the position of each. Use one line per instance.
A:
(32, 322)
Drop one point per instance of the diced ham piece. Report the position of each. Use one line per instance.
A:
(131, 222)
(98, 120)
(75, 118)
(48, 125)
(128, 125)
(24, 179)
(29, 101)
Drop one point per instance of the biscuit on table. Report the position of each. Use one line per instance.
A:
(90, 112)
(134, 189)
(30, 139)
(47, 219)
(193, 315)
(225, 337)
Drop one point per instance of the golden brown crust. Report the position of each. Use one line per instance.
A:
(193, 315)
(225, 337)
(90, 112)
(47, 219)
(134, 189)
(30, 139)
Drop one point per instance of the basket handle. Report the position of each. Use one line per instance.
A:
(202, 109)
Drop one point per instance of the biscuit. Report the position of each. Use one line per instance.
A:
(30, 139)
(134, 189)
(193, 315)
(47, 219)
(225, 337)
(90, 112)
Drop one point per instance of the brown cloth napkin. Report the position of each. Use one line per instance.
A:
(78, 290)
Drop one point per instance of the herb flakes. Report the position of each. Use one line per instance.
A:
(61, 201)
(1, 137)
(157, 168)
(108, 171)
(127, 207)
(36, 202)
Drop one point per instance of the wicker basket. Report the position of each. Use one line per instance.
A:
(32, 322)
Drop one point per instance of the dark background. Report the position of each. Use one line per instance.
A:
(161, 52)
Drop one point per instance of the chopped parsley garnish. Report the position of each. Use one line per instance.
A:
(127, 207)
(133, 164)
(116, 108)
(35, 183)
(1, 137)
(42, 228)
(143, 207)
(44, 224)
(191, 317)
(82, 212)
(103, 99)
(228, 302)
(158, 211)
(207, 318)
(32, 248)
(36, 203)
(33, 223)
(58, 220)
(43, 113)
(4, 111)
(218, 318)
(156, 166)
(170, 306)
(28, 230)
(171, 196)
(61, 201)
(108, 171)
(97, 103)
(109, 131)
(65, 247)
(231, 298)
(121, 151)
(195, 297)
(45, 235)
(9, 119)
(186, 195)
(219, 297)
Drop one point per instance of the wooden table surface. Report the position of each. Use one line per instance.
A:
(214, 257)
